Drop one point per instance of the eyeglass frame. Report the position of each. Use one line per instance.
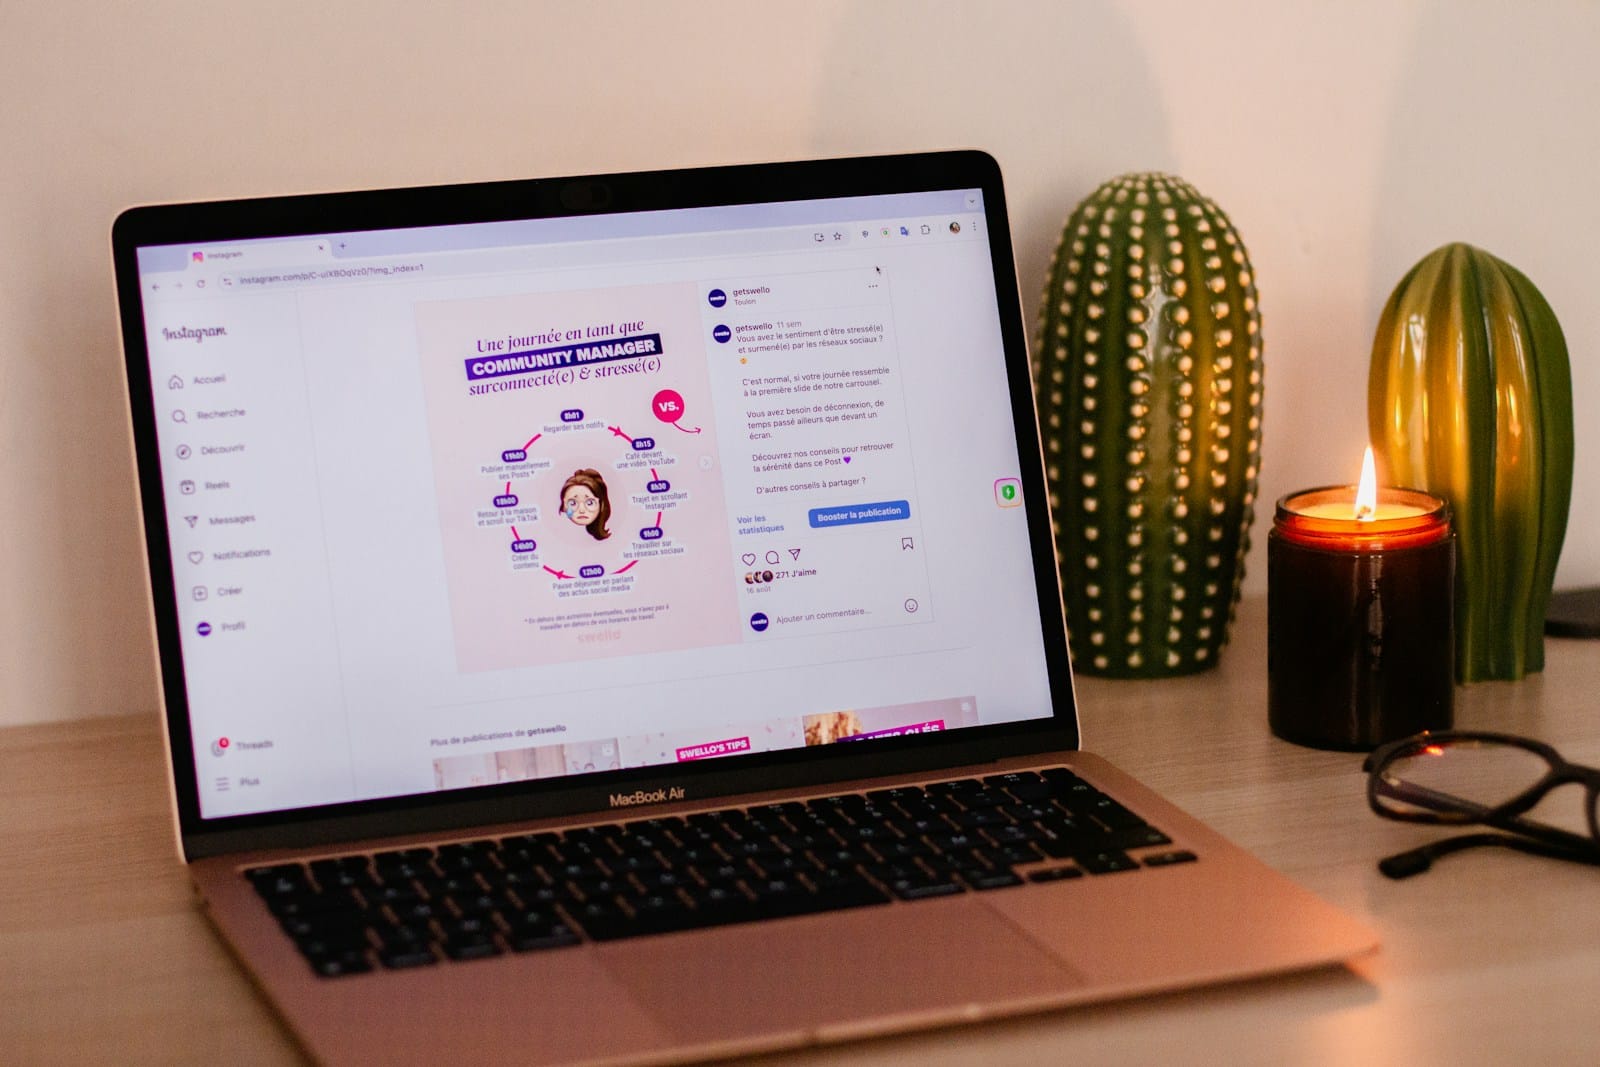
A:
(1507, 816)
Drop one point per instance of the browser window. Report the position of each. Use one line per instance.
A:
(465, 505)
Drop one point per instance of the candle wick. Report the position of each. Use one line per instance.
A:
(1364, 513)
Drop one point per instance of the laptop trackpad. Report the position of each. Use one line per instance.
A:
(826, 972)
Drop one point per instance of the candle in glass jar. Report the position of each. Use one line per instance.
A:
(1360, 639)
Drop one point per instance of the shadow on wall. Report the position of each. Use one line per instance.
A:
(1498, 110)
(1059, 93)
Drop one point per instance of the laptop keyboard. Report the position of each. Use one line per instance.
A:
(475, 899)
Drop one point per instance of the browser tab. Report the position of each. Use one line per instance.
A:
(259, 254)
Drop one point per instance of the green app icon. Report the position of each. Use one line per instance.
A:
(1008, 492)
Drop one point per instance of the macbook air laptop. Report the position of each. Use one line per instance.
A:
(615, 619)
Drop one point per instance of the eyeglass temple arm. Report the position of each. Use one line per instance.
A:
(1417, 860)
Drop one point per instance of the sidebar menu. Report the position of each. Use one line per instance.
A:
(248, 557)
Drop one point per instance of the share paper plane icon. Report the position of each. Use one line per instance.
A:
(794, 553)
(191, 520)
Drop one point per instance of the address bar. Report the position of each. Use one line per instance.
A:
(563, 256)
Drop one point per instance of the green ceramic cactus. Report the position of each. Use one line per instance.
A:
(1148, 379)
(1470, 398)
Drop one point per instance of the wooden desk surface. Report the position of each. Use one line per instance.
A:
(1492, 957)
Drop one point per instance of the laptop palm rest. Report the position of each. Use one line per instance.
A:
(869, 970)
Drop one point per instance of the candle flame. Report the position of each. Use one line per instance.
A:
(1367, 491)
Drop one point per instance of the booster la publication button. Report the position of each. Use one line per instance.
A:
(855, 514)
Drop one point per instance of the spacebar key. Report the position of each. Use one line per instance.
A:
(645, 923)
(861, 894)
(770, 903)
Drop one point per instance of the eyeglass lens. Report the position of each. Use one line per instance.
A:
(1474, 774)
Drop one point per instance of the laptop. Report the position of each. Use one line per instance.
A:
(616, 619)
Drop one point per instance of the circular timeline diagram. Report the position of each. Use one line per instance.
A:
(636, 485)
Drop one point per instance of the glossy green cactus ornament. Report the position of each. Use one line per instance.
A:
(1470, 398)
(1147, 376)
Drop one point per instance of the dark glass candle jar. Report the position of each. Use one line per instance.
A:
(1360, 638)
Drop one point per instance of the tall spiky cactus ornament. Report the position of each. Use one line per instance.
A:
(1148, 379)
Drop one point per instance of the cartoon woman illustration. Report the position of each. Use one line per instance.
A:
(584, 502)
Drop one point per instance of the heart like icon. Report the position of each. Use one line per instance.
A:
(196, 557)
(749, 558)
(847, 459)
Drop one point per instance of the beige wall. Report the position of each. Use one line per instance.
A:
(1345, 139)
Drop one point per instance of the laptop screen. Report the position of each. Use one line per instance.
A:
(454, 506)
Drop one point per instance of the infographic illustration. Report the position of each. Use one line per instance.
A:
(575, 458)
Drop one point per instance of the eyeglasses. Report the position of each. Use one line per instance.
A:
(1467, 778)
